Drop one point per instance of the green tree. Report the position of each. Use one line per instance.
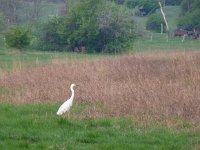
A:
(51, 34)
(190, 17)
(131, 3)
(190, 20)
(189, 5)
(92, 25)
(82, 25)
(149, 6)
(18, 37)
(154, 22)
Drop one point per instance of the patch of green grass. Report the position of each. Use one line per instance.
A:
(159, 43)
(14, 59)
(36, 126)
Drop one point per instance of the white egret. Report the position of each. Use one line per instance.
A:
(67, 104)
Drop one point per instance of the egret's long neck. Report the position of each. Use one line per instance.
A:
(72, 96)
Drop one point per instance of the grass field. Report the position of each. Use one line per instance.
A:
(10, 59)
(15, 59)
(147, 99)
(159, 44)
(140, 101)
(35, 126)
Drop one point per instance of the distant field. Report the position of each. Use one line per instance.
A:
(159, 43)
(14, 59)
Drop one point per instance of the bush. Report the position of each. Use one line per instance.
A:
(131, 3)
(91, 25)
(116, 29)
(51, 35)
(18, 37)
(188, 6)
(154, 22)
(148, 6)
(190, 20)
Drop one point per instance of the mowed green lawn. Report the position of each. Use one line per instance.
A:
(36, 126)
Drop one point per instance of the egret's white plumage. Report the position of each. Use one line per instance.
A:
(67, 104)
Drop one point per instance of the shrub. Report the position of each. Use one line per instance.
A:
(51, 35)
(116, 28)
(154, 22)
(188, 6)
(18, 37)
(91, 25)
(190, 20)
(148, 6)
(131, 3)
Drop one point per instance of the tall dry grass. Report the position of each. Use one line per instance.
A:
(161, 85)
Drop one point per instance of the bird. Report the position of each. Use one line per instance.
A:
(68, 103)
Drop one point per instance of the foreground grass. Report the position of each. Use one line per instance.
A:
(35, 126)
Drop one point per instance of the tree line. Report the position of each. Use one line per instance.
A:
(190, 16)
(89, 25)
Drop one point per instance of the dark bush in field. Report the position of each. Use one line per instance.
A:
(92, 26)
(18, 37)
(51, 35)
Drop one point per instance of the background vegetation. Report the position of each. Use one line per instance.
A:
(190, 14)
(112, 27)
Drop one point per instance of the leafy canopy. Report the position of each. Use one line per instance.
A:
(154, 22)
(18, 37)
(91, 25)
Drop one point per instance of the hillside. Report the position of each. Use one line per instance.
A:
(172, 14)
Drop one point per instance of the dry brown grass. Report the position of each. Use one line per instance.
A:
(160, 86)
